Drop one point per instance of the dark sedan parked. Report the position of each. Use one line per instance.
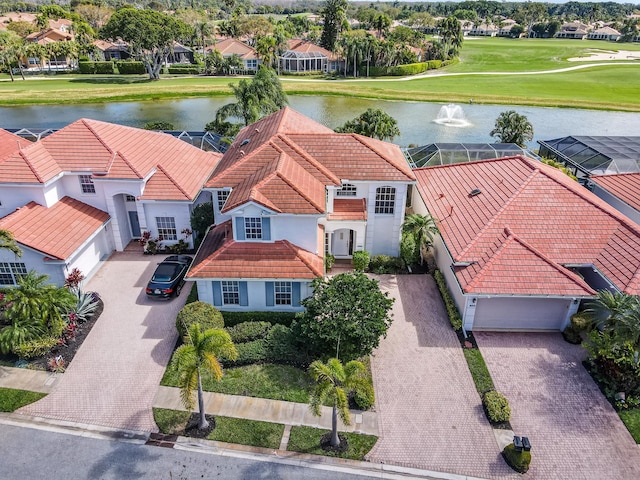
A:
(168, 279)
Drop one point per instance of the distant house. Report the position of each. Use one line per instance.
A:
(230, 46)
(621, 191)
(305, 56)
(483, 30)
(90, 188)
(180, 54)
(522, 245)
(115, 51)
(505, 26)
(605, 33)
(574, 30)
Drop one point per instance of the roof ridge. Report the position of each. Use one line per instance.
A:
(30, 164)
(98, 137)
(359, 138)
(318, 165)
(163, 170)
(295, 252)
(283, 158)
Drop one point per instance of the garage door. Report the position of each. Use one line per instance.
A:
(520, 314)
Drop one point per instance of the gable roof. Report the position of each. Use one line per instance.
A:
(175, 170)
(68, 224)
(529, 221)
(222, 257)
(285, 161)
(625, 186)
(232, 46)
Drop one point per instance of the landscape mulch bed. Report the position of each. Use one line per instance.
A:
(68, 350)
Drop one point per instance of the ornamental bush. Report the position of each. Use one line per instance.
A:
(249, 352)
(519, 461)
(452, 309)
(282, 347)
(36, 347)
(386, 264)
(497, 407)
(282, 318)
(361, 260)
(198, 312)
(248, 331)
(131, 68)
(185, 69)
(104, 68)
(365, 397)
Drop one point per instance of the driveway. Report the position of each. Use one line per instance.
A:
(574, 431)
(429, 412)
(114, 376)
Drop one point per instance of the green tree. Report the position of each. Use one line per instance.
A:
(451, 37)
(158, 126)
(334, 15)
(422, 228)
(266, 48)
(374, 123)
(150, 35)
(345, 317)
(511, 127)
(619, 314)
(334, 382)
(10, 48)
(199, 353)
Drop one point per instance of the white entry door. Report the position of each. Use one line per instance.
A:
(341, 243)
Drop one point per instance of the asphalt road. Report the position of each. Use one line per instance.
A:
(34, 454)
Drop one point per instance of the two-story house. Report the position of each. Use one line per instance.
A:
(287, 192)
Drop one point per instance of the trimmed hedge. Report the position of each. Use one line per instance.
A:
(282, 346)
(106, 68)
(386, 264)
(519, 461)
(452, 309)
(203, 313)
(249, 352)
(398, 71)
(185, 69)
(249, 331)
(232, 319)
(130, 68)
(497, 406)
(361, 260)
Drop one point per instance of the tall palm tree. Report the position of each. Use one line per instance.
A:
(7, 242)
(201, 352)
(334, 382)
(266, 48)
(511, 127)
(423, 228)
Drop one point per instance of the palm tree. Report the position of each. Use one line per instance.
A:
(423, 228)
(374, 123)
(201, 351)
(334, 382)
(7, 242)
(511, 127)
(451, 35)
(266, 48)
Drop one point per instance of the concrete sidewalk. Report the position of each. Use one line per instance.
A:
(276, 411)
(25, 379)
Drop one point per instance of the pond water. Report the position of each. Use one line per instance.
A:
(419, 122)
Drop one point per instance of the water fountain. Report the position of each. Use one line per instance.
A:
(452, 116)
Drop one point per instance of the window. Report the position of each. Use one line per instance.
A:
(283, 292)
(385, 200)
(167, 228)
(129, 198)
(347, 190)
(230, 293)
(253, 228)
(222, 198)
(252, 64)
(86, 184)
(10, 271)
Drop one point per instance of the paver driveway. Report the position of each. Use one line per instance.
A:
(574, 432)
(114, 376)
(429, 412)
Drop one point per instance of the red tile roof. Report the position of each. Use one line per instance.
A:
(68, 224)
(349, 209)
(625, 186)
(305, 46)
(552, 221)
(231, 46)
(222, 257)
(285, 145)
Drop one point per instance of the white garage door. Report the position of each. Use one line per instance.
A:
(520, 314)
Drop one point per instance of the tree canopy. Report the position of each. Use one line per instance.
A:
(334, 14)
(511, 127)
(151, 35)
(374, 123)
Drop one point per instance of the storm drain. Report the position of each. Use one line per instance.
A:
(162, 440)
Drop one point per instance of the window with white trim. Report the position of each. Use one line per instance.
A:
(282, 291)
(230, 292)
(252, 64)
(129, 198)
(253, 228)
(10, 272)
(222, 198)
(385, 200)
(167, 228)
(86, 184)
(347, 190)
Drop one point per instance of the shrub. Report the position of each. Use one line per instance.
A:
(329, 261)
(198, 312)
(397, 71)
(234, 318)
(385, 264)
(248, 331)
(434, 64)
(452, 309)
(282, 346)
(582, 322)
(36, 347)
(519, 461)
(185, 69)
(57, 364)
(250, 352)
(361, 260)
(409, 249)
(572, 335)
(103, 68)
(129, 68)
(86, 307)
(497, 407)
(365, 396)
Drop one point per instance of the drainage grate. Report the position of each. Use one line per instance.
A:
(162, 440)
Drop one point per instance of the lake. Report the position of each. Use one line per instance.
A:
(415, 119)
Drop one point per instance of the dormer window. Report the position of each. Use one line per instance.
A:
(222, 198)
(253, 228)
(86, 184)
(347, 190)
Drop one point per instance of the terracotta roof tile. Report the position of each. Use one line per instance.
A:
(231, 46)
(10, 143)
(349, 209)
(543, 208)
(625, 186)
(222, 257)
(68, 224)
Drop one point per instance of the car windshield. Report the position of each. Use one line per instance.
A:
(166, 272)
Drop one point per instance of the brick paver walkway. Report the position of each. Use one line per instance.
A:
(114, 376)
(574, 432)
(429, 412)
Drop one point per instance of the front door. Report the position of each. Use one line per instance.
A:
(135, 224)
(342, 243)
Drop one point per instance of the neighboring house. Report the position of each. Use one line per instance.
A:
(288, 191)
(574, 30)
(118, 50)
(88, 189)
(605, 33)
(180, 54)
(505, 26)
(305, 56)
(483, 30)
(621, 191)
(522, 245)
(231, 46)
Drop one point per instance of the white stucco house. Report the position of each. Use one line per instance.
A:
(72, 198)
(286, 192)
(521, 245)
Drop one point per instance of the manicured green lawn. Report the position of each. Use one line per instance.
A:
(12, 399)
(307, 440)
(479, 370)
(631, 419)
(278, 382)
(230, 430)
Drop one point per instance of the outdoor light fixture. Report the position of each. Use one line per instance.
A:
(517, 442)
(526, 444)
